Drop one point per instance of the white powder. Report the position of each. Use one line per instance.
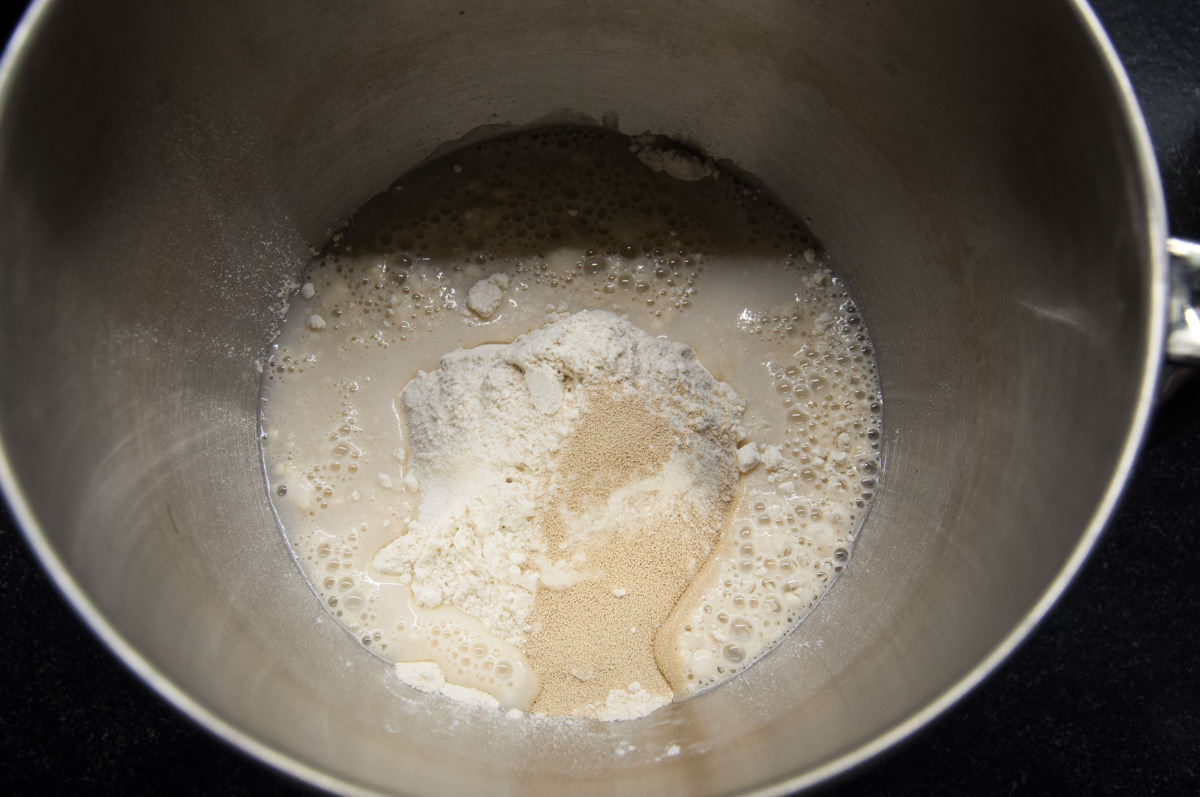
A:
(772, 458)
(426, 676)
(485, 296)
(628, 704)
(674, 162)
(747, 457)
(482, 433)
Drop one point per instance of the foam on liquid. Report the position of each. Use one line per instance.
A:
(577, 218)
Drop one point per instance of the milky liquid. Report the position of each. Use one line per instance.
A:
(577, 219)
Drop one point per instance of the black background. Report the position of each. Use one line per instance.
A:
(1104, 697)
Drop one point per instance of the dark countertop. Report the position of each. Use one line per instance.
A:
(1104, 697)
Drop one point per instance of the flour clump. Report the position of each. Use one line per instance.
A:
(485, 296)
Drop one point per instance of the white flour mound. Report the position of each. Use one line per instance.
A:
(482, 431)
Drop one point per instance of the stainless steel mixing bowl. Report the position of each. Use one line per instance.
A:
(979, 170)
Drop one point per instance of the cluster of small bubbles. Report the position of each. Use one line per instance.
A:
(282, 362)
(472, 658)
(651, 279)
(792, 533)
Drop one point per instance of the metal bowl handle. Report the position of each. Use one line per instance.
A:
(1183, 314)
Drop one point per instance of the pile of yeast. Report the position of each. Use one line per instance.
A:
(501, 469)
